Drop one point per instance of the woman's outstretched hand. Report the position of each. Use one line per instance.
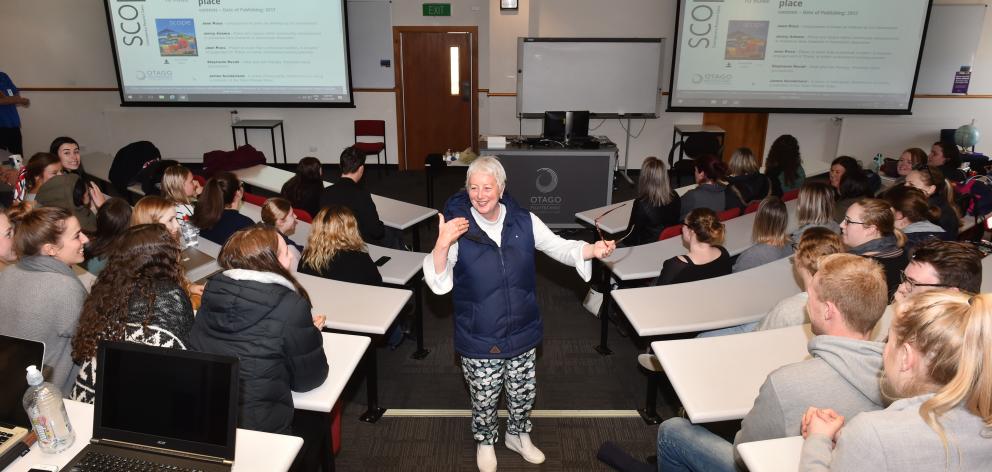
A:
(448, 232)
(599, 250)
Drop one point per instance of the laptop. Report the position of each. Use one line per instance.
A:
(16, 355)
(161, 409)
(193, 258)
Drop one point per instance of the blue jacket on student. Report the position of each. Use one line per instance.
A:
(496, 314)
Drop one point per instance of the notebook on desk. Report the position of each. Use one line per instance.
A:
(161, 409)
(16, 355)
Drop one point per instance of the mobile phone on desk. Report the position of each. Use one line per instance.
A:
(382, 261)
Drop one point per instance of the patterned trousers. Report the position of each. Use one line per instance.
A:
(486, 378)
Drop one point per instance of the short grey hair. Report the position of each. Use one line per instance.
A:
(487, 165)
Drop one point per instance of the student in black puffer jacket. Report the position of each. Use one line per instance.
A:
(257, 311)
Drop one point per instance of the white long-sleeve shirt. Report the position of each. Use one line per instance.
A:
(560, 249)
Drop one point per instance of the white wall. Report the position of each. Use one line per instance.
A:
(64, 44)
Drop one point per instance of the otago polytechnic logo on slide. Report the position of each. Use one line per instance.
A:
(547, 180)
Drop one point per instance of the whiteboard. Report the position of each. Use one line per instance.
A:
(605, 76)
(370, 37)
(952, 41)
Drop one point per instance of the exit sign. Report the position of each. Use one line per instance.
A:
(437, 9)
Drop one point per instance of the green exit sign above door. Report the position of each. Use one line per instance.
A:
(437, 9)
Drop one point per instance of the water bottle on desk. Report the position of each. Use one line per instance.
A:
(876, 162)
(43, 403)
(190, 233)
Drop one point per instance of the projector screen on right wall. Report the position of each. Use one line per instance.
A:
(799, 56)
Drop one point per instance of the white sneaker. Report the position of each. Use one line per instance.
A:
(520, 443)
(485, 457)
(649, 362)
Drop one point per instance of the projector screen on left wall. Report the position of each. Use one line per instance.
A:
(231, 52)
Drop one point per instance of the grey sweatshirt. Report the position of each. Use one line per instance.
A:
(897, 439)
(843, 374)
(712, 196)
(40, 299)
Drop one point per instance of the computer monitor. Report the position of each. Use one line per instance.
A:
(554, 125)
(577, 125)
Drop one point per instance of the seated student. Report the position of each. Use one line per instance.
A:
(67, 191)
(87, 192)
(784, 165)
(656, 207)
(912, 158)
(869, 230)
(841, 166)
(768, 235)
(257, 311)
(914, 215)
(179, 187)
(335, 249)
(216, 212)
(702, 235)
(938, 372)
(947, 158)
(846, 298)
(41, 168)
(278, 212)
(139, 297)
(153, 209)
(347, 193)
(744, 176)
(852, 185)
(41, 295)
(304, 189)
(112, 220)
(815, 208)
(7, 254)
(711, 190)
(931, 181)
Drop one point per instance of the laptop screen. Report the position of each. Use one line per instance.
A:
(16, 355)
(167, 398)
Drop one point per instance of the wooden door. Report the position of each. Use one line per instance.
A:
(743, 130)
(437, 96)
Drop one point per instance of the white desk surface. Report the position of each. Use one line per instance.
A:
(354, 307)
(644, 261)
(718, 378)
(772, 455)
(987, 274)
(394, 213)
(708, 304)
(401, 267)
(344, 352)
(255, 450)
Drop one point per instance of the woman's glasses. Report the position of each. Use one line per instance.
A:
(599, 230)
(848, 220)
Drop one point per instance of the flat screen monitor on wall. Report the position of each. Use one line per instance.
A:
(803, 56)
(220, 52)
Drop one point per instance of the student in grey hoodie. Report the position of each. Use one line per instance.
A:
(711, 188)
(846, 297)
(914, 215)
(936, 365)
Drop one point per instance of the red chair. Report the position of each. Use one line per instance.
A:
(199, 179)
(752, 207)
(728, 214)
(371, 128)
(303, 215)
(256, 200)
(790, 195)
(670, 232)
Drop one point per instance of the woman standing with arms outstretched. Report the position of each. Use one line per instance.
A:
(497, 322)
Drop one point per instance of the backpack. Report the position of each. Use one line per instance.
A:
(978, 192)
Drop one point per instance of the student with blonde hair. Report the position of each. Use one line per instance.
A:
(744, 176)
(815, 207)
(656, 207)
(278, 212)
(937, 369)
(152, 209)
(335, 249)
(179, 187)
(869, 230)
(768, 235)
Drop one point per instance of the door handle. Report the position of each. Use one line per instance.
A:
(464, 90)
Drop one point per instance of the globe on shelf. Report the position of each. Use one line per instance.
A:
(967, 136)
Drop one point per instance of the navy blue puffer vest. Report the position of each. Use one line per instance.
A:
(496, 314)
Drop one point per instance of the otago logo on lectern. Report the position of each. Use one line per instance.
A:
(547, 180)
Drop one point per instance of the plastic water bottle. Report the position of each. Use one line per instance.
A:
(43, 402)
(876, 163)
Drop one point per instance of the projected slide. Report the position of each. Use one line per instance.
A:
(201, 52)
(797, 54)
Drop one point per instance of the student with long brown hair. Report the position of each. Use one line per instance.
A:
(7, 254)
(303, 189)
(937, 372)
(112, 220)
(930, 180)
(914, 215)
(257, 311)
(711, 189)
(771, 243)
(41, 296)
(40, 168)
(138, 297)
(869, 230)
(784, 165)
(216, 212)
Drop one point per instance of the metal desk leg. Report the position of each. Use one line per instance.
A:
(418, 313)
(650, 413)
(373, 413)
(416, 236)
(234, 136)
(282, 132)
(272, 135)
(327, 450)
(604, 313)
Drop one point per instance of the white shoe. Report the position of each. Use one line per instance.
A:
(485, 457)
(520, 443)
(649, 362)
